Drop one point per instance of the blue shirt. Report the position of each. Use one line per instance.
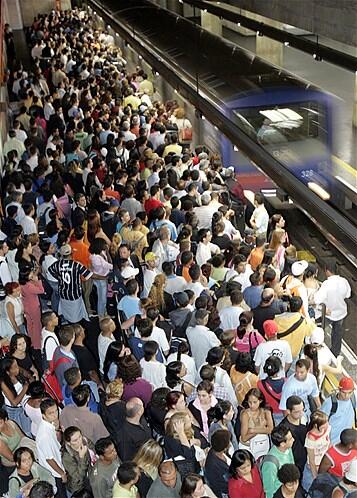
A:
(137, 347)
(129, 305)
(303, 389)
(342, 419)
(158, 224)
(93, 400)
(253, 295)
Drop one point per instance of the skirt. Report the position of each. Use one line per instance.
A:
(73, 311)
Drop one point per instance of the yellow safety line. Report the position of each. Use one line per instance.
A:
(346, 166)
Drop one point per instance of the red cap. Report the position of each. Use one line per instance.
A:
(346, 384)
(270, 328)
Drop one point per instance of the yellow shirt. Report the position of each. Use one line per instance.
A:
(133, 101)
(297, 337)
(175, 148)
(119, 492)
(147, 87)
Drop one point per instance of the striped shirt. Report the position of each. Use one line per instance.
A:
(69, 273)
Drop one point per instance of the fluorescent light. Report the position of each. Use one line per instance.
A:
(286, 44)
(235, 148)
(317, 189)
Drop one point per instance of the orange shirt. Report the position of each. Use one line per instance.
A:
(80, 252)
(112, 193)
(185, 274)
(256, 257)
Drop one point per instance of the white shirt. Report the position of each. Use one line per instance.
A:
(196, 287)
(154, 372)
(280, 348)
(29, 225)
(21, 135)
(190, 365)
(333, 293)
(48, 260)
(301, 388)
(261, 218)
(51, 343)
(243, 278)
(204, 215)
(158, 335)
(5, 275)
(149, 277)
(205, 251)
(174, 284)
(48, 447)
(201, 340)
(230, 317)
(103, 345)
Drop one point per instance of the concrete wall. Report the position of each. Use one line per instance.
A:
(330, 18)
(29, 9)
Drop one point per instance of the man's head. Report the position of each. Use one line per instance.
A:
(134, 409)
(4, 248)
(66, 336)
(236, 298)
(267, 297)
(168, 474)
(289, 476)
(106, 451)
(258, 199)
(49, 320)
(282, 438)
(42, 489)
(295, 407)
(330, 268)
(81, 395)
(346, 388)
(107, 326)
(49, 410)
(302, 369)
(348, 438)
(201, 317)
(128, 474)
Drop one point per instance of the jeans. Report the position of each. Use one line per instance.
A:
(54, 295)
(336, 336)
(102, 287)
(307, 478)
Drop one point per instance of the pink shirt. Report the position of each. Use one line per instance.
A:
(243, 344)
(100, 265)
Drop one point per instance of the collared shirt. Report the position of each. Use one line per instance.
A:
(333, 293)
(201, 340)
(120, 492)
(48, 447)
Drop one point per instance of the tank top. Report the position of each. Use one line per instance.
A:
(340, 461)
(11, 441)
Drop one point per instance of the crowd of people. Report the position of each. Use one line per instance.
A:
(150, 348)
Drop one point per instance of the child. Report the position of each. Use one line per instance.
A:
(317, 442)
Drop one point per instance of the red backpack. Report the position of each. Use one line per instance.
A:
(50, 382)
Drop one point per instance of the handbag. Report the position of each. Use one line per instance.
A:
(186, 133)
(258, 445)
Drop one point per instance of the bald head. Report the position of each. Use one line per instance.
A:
(168, 474)
(267, 296)
(134, 408)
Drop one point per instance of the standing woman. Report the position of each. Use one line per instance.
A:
(24, 258)
(102, 267)
(94, 228)
(312, 285)
(20, 350)
(277, 245)
(220, 418)
(31, 289)
(14, 388)
(272, 386)
(202, 404)
(194, 487)
(247, 337)
(12, 316)
(277, 222)
(175, 373)
(244, 479)
(157, 294)
(148, 459)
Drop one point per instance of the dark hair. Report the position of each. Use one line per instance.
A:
(243, 363)
(293, 401)
(132, 286)
(81, 394)
(65, 335)
(288, 472)
(303, 363)
(172, 373)
(272, 365)
(205, 385)
(83, 493)
(258, 394)
(150, 349)
(310, 351)
(239, 458)
(97, 246)
(295, 303)
(42, 489)
(217, 412)
(111, 356)
(129, 369)
(13, 342)
(71, 375)
(46, 404)
(245, 319)
(127, 472)
(189, 484)
(144, 326)
(220, 440)
(279, 434)
(102, 444)
(19, 452)
(68, 433)
(215, 355)
(255, 278)
(159, 396)
(3, 414)
(5, 366)
(348, 437)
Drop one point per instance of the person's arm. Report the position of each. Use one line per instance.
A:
(11, 314)
(5, 452)
(325, 465)
(180, 429)
(14, 400)
(287, 366)
(53, 464)
(245, 433)
(269, 478)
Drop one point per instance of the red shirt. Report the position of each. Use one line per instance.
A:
(152, 204)
(240, 488)
(340, 461)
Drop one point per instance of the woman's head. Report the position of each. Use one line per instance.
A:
(129, 369)
(241, 464)
(254, 399)
(13, 289)
(114, 389)
(179, 417)
(24, 458)
(318, 420)
(175, 370)
(175, 400)
(243, 363)
(192, 487)
(221, 412)
(245, 319)
(277, 238)
(272, 366)
(149, 455)
(9, 367)
(18, 343)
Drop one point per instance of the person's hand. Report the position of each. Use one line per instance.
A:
(64, 477)
(179, 427)
(82, 451)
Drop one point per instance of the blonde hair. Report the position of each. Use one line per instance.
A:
(290, 251)
(276, 239)
(179, 113)
(149, 457)
(114, 246)
(115, 389)
(176, 417)
(156, 293)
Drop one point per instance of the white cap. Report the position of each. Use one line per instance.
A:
(299, 267)
(317, 336)
(129, 272)
(351, 473)
(104, 151)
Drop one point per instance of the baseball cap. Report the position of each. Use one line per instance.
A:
(270, 328)
(248, 231)
(65, 250)
(150, 256)
(129, 272)
(114, 202)
(299, 267)
(317, 336)
(346, 384)
(351, 473)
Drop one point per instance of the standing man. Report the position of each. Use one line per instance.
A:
(150, 272)
(333, 293)
(5, 275)
(260, 217)
(69, 273)
(103, 473)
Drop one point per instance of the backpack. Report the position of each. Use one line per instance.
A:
(45, 362)
(334, 406)
(50, 381)
(268, 459)
(323, 485)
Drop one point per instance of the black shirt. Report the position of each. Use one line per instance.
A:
(216, 474)
(131, 438)
(299, 451)
(69, 273)
(86, 360)
(262, 313)
(299, 493)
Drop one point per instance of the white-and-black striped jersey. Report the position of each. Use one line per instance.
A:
(69, 273)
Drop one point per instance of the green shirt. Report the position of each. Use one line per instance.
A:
(119, 492)
(269, 470)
